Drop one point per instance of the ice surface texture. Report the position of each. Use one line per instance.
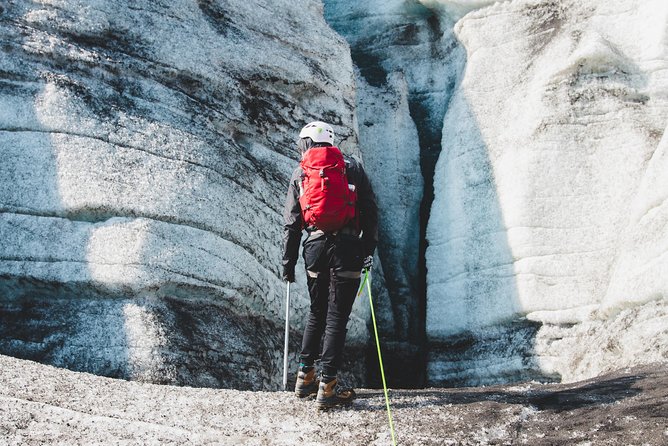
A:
(146, 151)
(146, 147)
(549, 203)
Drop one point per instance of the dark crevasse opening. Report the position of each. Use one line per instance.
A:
(407, 61)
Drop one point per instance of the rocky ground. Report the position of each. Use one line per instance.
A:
(44, 405)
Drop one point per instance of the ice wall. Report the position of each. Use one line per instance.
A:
(146, 147)
(407, 61)
(547, 238)
(456, 9)
(146, 150)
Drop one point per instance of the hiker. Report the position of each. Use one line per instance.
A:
(342, 236)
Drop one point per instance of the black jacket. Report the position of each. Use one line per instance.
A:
(366, 205)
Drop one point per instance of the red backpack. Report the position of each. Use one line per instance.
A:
(326, 199)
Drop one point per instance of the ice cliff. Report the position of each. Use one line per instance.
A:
(146, 150)
(546, 226)
(547, 237)
(517, 149)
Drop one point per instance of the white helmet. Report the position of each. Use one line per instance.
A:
(318, 132)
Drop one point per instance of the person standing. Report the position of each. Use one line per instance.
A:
(330, 197)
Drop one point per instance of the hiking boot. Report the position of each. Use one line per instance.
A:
(331, 394)
(307, 384)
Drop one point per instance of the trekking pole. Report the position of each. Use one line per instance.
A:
(380, 358)
(287, 335)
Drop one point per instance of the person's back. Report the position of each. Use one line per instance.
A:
(334, 256)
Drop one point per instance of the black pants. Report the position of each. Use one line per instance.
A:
(333, 265)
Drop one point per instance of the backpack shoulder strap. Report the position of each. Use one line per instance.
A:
(353, 169)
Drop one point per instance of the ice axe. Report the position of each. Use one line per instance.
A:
(287, 336)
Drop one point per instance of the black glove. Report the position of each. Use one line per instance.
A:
(289, 273)
(368, 263)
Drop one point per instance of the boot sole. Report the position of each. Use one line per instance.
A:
(326, 408)
(306, 394)
(326, 405)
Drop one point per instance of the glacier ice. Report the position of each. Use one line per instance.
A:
(146, 147)
(146, 151)
(407, 62)
(548, 211)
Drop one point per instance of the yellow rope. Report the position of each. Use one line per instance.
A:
(380, 358)
(361, 290)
